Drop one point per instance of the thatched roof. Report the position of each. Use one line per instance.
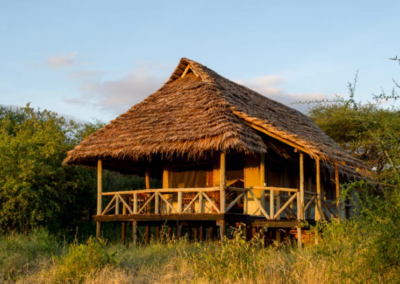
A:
(198, 111)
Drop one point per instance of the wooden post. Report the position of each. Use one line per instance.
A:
(222, 184)
(179, 202)
(262, 180)
(253, 232)
(169, 232)
(147, 177)
(147, 181)
(178, 230)
(123, 229)
(262, 237)
(318, 216)
(337, 186)
(272, 203)
(200, 202)
(147, 235)
(158, 233)
(222, 227)
(299, 241)
(135, 203)
(156, 204)
(245, 203)
(211, 233)
(201, 233)
(301, 197)
(123, 233)
(117, 205)
(278, 236)
(196, 234)
(134, 232)
(99, 196)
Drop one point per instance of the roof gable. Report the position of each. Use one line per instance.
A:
(198, 111)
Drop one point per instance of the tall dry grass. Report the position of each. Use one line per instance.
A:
(336, 259)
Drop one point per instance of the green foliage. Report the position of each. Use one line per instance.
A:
(35, 189)
(20, 254)
(83, 261)
(369, 132)
(232, 259)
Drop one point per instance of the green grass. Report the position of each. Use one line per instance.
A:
(42, 258)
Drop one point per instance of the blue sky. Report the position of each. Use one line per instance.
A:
(95, 59)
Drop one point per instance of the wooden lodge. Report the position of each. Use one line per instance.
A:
(225, 154)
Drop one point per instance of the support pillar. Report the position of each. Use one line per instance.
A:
(318, 216)
(123, 232)
(201, 233)
(170, 232)
(262, 180)
(158, 233)
(222, 227)
(99, 196)
(337, 187)
(222, 184)
(299, 241)
(301, 197)
(147, 235)
(278, 236)
(211, 233)
(134, 232)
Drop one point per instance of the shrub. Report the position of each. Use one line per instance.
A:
(83, 261)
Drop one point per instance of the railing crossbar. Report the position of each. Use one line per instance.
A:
(167, 202)
(235, 201)
(191, 202)
(145, 204)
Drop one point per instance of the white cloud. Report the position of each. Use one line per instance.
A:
(271, 86)
(63, 60)
(117, 96)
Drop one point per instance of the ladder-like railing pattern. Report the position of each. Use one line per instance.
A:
(194, 201)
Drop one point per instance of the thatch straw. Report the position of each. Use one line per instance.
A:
(202, 113)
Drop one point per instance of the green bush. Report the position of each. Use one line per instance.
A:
(83, 261)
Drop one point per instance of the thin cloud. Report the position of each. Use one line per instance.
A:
(63, 60)
(117, 96)
(271, 86)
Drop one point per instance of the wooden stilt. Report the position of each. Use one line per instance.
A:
(178, 230)
(278, 236)
(262, 236)
(301, 197)
(147, 181)
(262, 179)
(222, 229)
(147, 235)
(99, 196)
(196, 234)
(201, 228)
(299, 241)
(245, 233)
(222, 184)
(253, 232)
(211, 233)
(158, 233)
(170, 233)
(318, 216)
(134, 232)
(337, 187)
(123, 232)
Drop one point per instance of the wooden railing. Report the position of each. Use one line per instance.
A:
(140, 201)
(196, 200)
